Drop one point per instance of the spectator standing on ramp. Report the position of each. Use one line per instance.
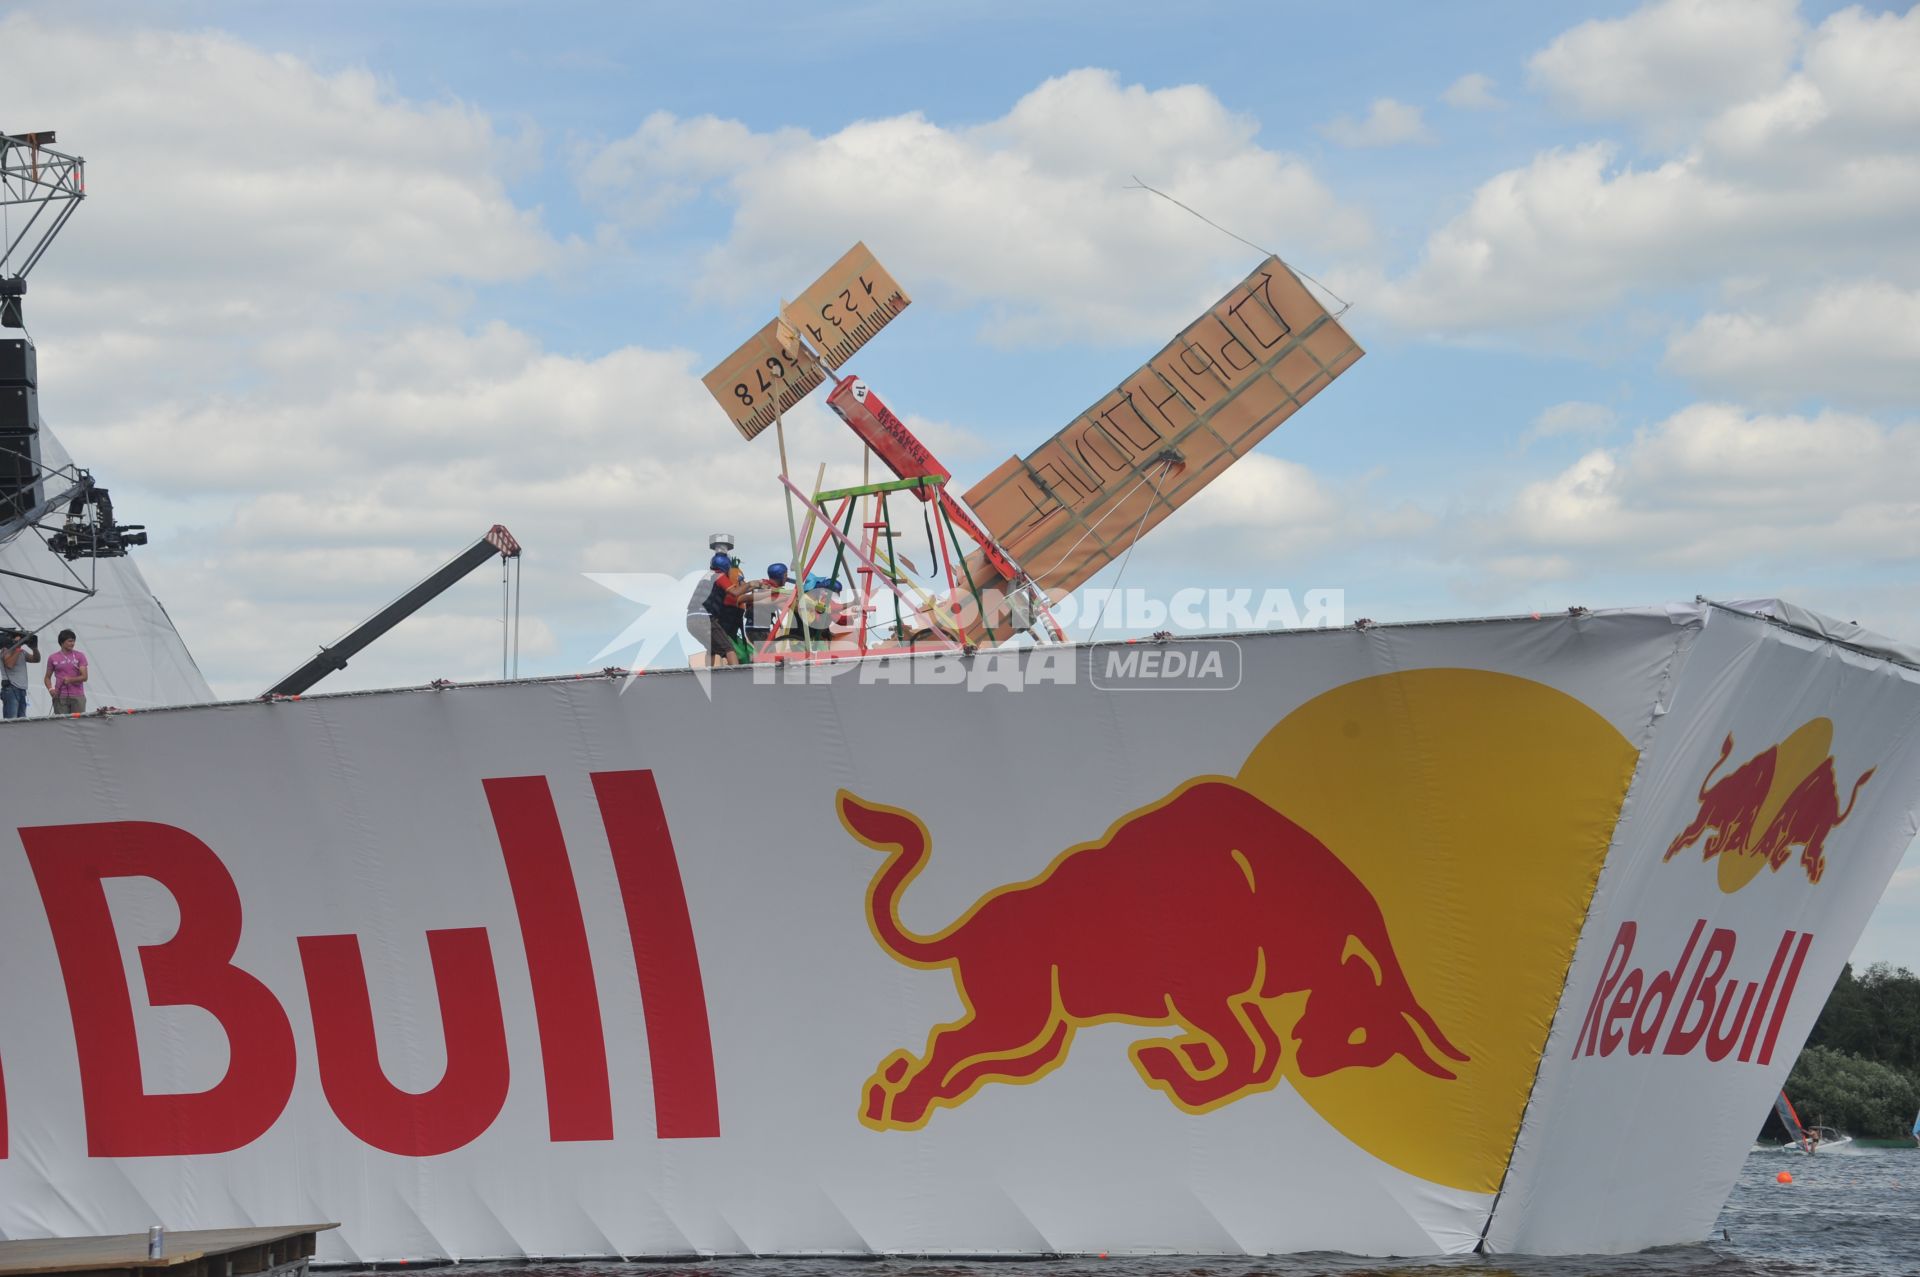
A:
(67, 676)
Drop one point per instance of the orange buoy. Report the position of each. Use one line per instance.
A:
(1784, 1177)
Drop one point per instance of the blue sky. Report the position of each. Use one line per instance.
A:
(1640, 286)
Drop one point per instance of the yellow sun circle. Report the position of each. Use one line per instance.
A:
(1477, 808)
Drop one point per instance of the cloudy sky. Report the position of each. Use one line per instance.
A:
(1640, 287)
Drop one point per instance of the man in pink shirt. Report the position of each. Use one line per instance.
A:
(67, 676)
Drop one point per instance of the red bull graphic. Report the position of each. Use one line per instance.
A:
(1384, 925)
(1202, 913)
(1782, 792)
(1808, 816)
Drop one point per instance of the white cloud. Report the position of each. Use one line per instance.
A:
(1804, 175)
(1472, 92)
(1671, 58)
(667, 161)
(1855, 92)
(209, 158)
(1574, 417)
(255, 338)
(1030, 215)
(1566, 236)
(1865, 64)
(1715, 486)
(398, 471)
(1264, 496)
(1856, 343)
(1387, 123)
(1267, 518)
(238, 200)
(1717, 498)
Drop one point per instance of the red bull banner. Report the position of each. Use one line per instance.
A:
(1367, 941)
(1773, 802)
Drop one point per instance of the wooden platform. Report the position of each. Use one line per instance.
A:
(210, 1252)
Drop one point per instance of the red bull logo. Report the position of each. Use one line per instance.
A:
(1209, 913)
(1786, 792)
(1377, 908)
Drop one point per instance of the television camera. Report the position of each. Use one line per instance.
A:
(90, 531)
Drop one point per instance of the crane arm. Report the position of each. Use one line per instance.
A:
(497, 543)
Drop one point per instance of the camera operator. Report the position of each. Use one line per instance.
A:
(17, 651)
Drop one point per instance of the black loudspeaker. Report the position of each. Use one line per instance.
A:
(19, 366)
(19, 410)
(20, 489)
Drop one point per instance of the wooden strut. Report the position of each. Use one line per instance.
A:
(953, 517)
(780, 436)
(849, 547)
(799, 577)
(948, 542)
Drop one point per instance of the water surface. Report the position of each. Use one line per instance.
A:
(1847, 1213)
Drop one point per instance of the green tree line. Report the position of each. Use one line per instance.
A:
(1860, 1072)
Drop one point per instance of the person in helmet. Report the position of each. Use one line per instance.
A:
(717, 612)
(770, 594)
(815, 612)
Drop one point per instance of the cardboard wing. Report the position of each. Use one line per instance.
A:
(1165, 432)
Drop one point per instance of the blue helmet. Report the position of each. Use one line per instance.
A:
(721, 562)
(776, 571)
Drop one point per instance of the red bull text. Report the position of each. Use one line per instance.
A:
(72, 864)
(1689, 1001)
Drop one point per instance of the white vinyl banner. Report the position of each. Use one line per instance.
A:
(1773, 802)
(1211, 946)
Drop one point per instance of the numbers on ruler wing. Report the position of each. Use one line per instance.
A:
(849, 302)
(788, 394)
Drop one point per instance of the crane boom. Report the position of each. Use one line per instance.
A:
(497, 543)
